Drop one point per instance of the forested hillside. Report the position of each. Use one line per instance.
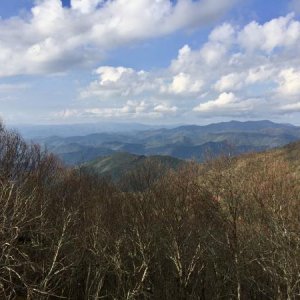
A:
(225, 229)
(122, 164)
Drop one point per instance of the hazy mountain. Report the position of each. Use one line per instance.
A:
(65, 130)
(184, 142)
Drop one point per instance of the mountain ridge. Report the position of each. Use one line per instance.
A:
(183, 142)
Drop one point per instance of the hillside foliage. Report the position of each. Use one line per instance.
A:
(226, 229)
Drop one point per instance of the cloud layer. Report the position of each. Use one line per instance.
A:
(53, 38)
(249, 71)
(252, 71)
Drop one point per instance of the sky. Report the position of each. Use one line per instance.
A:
(149, 61)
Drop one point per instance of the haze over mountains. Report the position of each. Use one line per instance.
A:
(183, 142)
(65, 130)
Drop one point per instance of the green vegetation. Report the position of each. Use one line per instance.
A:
(225, 229)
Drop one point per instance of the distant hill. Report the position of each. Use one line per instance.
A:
(119, 164)
(184, 142)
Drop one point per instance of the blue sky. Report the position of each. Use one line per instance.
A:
(151, 61)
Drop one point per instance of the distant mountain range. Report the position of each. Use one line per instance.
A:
(183, 142)
(65, 130)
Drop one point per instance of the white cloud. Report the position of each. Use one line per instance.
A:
(224, 99)
(131, 109)
(224, 65)
(111, 74)
(185, 60)
(219, 42)
(224, 34)
(182, 83)
(230, 74)
(224, 104)
(54, 38)
(85, 6)
(237, 81)
(213, 53)
(119, 81)
(259, 74)
(126, 82)
(229, 82)
(165, 108)
(280, 32)
(292, 107)
(289, 82)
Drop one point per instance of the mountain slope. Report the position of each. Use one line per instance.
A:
(289, 153)
(118, 164)
(287, 157)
